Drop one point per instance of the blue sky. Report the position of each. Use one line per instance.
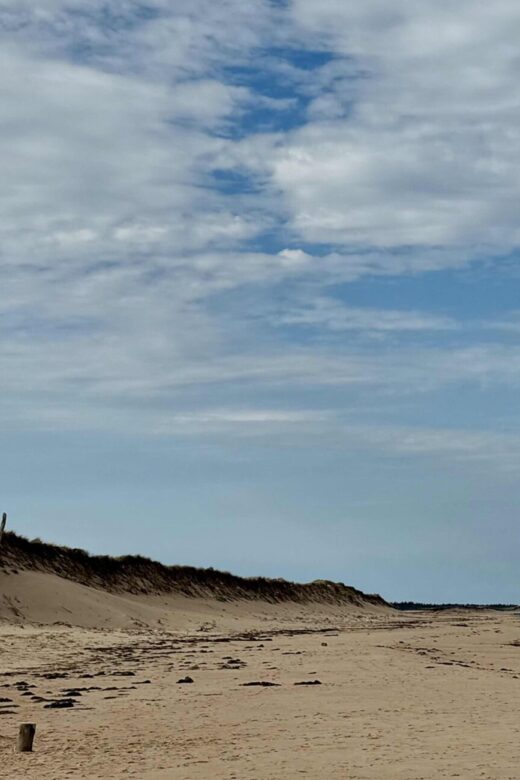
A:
(259, 274)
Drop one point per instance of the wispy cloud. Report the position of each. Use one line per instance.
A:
(336, 316)
(162, 234)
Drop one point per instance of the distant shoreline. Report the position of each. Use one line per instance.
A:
(411, 606)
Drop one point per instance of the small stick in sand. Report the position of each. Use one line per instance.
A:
(26, 737)
(2, 525)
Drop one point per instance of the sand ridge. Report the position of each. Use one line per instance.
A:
(64, 573)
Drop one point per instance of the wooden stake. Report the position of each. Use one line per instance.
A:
(2, 525)
(26, 737)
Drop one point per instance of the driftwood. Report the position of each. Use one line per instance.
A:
(26, 737)
(2, 525)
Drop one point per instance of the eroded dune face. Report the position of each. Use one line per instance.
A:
(36, 597)
(46, 584)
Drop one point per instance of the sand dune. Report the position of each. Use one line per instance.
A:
(41, 598)
(47, 584)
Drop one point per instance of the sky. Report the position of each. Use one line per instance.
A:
(259, 286)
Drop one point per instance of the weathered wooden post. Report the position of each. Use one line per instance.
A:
(2, 525)
(26, 737)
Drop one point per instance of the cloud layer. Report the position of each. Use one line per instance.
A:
(198, 200)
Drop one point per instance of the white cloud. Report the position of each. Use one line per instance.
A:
(455, 444)
(413, 133)
(128, 280)
(92, 155)
(335, 316)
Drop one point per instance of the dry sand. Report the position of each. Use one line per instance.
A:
(401, 696)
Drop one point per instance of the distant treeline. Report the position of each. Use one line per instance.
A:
(410, 606)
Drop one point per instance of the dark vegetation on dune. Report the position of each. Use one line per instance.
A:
(138, 575)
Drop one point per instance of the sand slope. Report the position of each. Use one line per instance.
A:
(47, 584)
(41, 598)
(37, 597)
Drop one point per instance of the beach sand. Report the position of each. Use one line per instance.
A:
(402, 696)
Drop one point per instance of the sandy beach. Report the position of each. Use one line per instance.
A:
(400, 696)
